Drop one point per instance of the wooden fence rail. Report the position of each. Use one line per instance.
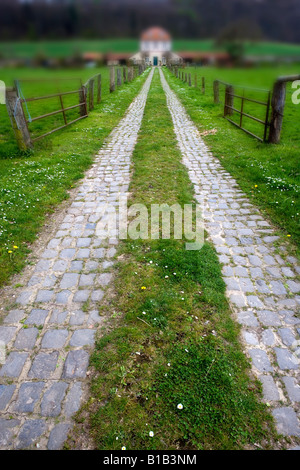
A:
(87, 94)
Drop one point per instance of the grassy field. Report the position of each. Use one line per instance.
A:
(268, 173)
(66, 48)
(33, 183)
(45, 82)
(179, 381)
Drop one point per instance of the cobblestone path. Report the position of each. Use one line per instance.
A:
(48, 335)
(262, 286)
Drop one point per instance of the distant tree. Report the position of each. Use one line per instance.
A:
(234, 36)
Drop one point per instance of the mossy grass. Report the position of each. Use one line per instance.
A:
(169, 372)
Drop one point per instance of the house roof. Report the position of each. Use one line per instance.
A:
(155, 34)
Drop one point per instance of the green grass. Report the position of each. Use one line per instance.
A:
(46, 82)
(25, 49)
(269, 174)
(170, 338)
(32, 184)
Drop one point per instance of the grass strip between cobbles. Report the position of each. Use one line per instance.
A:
(168, 370)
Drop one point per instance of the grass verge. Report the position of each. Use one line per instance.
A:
(169, 372)
(33, 184)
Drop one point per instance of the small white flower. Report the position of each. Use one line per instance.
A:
(168, 364)
(166, 277)
(123, 448)
(144, 313)
(151, 433)
(180, 406)
(186, 350)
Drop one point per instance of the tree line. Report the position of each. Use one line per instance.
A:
(277, 20)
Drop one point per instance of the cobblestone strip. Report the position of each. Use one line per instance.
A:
(262, 281)
(50, 332)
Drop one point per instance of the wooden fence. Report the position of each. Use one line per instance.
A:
(231, 107)
(273, 104)
(88, 94)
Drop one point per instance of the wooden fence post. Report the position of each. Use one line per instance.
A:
(278, 103)
(91, 94)
(82, 99)
(124, 75)
(190, 79)
(112, 85)
(228, 101)
(17, 119)
(130, 74)
(99, 91)
(119, 77)
(203, 85)
(195, 80)
(216, 91)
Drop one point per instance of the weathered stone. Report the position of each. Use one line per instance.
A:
(81, 296)
(268, 318)
(286, 360)
(7, 333)
(37, 317)
(26, 338)
(247, 318)
(67, 253)
(97, 295)
(63, 297)
(270, 389)
(44, 295)
(286, 421)
(87, 280)
(72, 403)
(24, 298)
(6, 392)
(43, 365)
(7, 430)
(51, 403)
(14, 316)
(69, 280)
(58, 317)
(29, 394)
(260, 360)
(268, 338)
(58, 436)
(287, 336)
(76, 364)
(54, 339)
(82, 337)
(293, 388)
(14, 364)
(30, 432)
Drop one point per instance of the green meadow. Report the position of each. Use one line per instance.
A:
(27, 49)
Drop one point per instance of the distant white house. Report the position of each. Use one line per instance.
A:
(155, 48)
